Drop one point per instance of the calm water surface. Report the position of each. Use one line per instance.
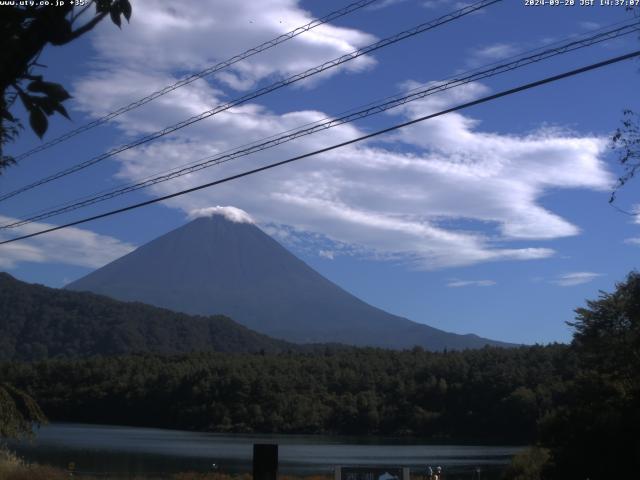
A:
(132, 450)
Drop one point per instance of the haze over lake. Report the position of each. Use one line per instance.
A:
(131, 450)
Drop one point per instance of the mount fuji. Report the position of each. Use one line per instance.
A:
(225, 264)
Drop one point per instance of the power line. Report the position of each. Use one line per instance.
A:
(373, 108)
(479, 101)
(257, 93)
(351, 110)
(196, 76)
(522, 59)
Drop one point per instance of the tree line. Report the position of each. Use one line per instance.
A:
(579, 403)
(37, 322)
(491, 394)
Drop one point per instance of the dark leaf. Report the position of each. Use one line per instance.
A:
(5, 161)
(38, 121)
(6, 114)
(45, 103)
(61, 110)
(59, 31)
(26, 100)
(102, 6)
(53, 90)
(35, 86)
(115, 14)
(125, 8)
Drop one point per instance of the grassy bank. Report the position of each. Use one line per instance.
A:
(526, 466)
(13, 467)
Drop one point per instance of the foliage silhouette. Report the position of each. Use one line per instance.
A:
(26, 31)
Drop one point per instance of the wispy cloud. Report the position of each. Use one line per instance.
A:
(470, 283)
(328, 254)
(635, 210)
(353, 195)
(575, 278)
(71, 246)
(384, 4)
(448, 3)
(166, 36)
(491, 53)
(397, 198)
(589, 25)
(232, 214)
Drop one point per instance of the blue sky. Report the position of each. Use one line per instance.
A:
(493, 220)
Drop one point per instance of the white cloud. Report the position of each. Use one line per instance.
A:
(632, 241)
(470, 283)
(380, 4)
(454, 4)
(635, 210)
(71, 246)
(589, 25)
(575, 278)
(165, 37)
(328, 254)
(439, 194)
(232, 214)
(384, 200)
(491, 53)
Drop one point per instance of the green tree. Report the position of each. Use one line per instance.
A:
(528, 465)
(594, 430)
(26, 31)
(607, 333)
(626, 141)
(18, 412)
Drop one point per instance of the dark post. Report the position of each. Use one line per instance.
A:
(265, 461)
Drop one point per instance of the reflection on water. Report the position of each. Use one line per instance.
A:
(131, 450)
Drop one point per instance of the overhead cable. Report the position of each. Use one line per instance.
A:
(479, 101)
(328, 123)
(257, 93)
(201, 74)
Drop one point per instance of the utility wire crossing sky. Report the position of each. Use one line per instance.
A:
(417, 94)
(505, 93)
(424, 27)
(496, 224)
(201, 74)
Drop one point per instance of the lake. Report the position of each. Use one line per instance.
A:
(131, 450)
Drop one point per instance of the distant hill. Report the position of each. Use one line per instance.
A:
(37, 322)
(214, 265)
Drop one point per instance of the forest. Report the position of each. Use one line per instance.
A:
(577, 401)
(488, 394)
(37, 322)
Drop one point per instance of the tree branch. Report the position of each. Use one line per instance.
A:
(86, 27)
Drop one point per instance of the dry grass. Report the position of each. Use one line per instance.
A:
(35, 472)
(244, 476)
(9, 463)
(209, 476)
(13, 467)
(310, 477)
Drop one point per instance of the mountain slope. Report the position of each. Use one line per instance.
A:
(215, 265)
(38, 322)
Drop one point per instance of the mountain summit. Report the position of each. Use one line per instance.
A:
(224, 264)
